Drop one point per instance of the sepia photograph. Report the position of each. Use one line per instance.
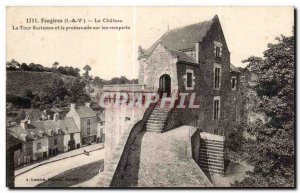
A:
(150, 97)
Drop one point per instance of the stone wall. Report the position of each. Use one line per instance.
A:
(160, 62)
(117, 144)
(123, 87)
(196, 142)
(117, 121)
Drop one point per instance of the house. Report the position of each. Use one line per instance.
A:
(72, 135)
(194, 59)
(100, 128)
(34, 143)
(86, 121)
(63, 135)
(12, 145)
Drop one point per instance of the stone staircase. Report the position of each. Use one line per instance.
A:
(211, 158)
(158, 117)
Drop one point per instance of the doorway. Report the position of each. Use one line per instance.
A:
(165, 85)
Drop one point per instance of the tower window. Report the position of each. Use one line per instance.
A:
(216, 108)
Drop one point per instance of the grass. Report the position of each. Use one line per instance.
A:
(74, 176)
(19, 81)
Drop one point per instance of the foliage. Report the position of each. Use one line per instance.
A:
(13, 65)
(21, 115)
(273, 151)
(18, 101)
(77, 92)
(120, 80)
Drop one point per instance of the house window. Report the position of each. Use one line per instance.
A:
(218, 49)
(216, 108)
(189, 82)
(88, 131)
(55, 141)
(38, 146)
(88, 121)
(72, 136)
(188, 78)
(233, 83)
(217, 76)
(218, 52)
(243, 79)
(19, 161)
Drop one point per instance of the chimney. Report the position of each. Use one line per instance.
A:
(24, 124)
(88, 105)
(73, 105)
(197, 49)
(140, 50)
(56, 117)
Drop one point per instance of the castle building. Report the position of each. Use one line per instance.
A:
(194, 59)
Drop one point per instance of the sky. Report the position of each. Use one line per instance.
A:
(112, 53)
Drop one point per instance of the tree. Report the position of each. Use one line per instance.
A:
(24, 67)
(87, 68)
(21, 116)
(55, 64)
(77, 92)
(28, 93)
(13, 65)
(273, 154)
(97, 80)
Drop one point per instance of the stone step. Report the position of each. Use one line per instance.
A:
(212, 148)
(153, 130)
(211, 157)
(155, 124)
(212, 141)
(211, 160)
(155, 127)
(217, 165)
(155, 117)
(205, 165)
(159, 113)
(151, 121)
(211, 154)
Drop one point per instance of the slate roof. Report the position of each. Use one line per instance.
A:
(84, 111)
(182, 56)
(11, 141)
(101, 117)
(184, 37)
(32, 132)
(68, 125)
(234, 69)
(51, 127)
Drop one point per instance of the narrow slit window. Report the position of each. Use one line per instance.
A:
(233, 83)
(216, 109)
(189, 79)
(217, 77)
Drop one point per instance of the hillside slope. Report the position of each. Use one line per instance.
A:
(19, 81)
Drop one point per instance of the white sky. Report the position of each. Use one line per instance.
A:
(247, 30)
